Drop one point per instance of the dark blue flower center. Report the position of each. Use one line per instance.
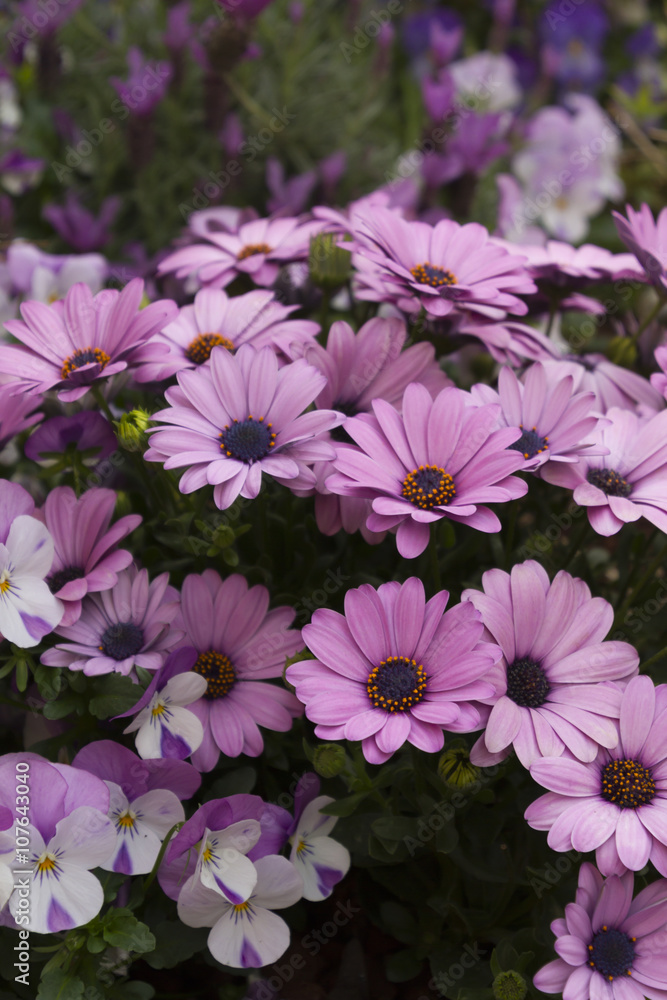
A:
(63, 576)
(428, 486)
(530, 443)
(627, 783)
(611, 953)
(122, 639)
(610, 482)
(247, 440)
(527, 684)
(429, 274)
(84, 356)
(396, 684)
(219, 671)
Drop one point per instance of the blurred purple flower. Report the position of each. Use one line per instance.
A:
(79, 227)
(146, 84)
(88, 430)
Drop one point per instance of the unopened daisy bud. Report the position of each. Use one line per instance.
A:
(509, 986)
(623, 351)
(131, 430)
(455, 769)
(329, 263)
(328, 760)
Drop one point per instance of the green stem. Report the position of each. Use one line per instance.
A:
(648, 320)
(158, 861)
(435, 565)
(654, 659)
(646, 577)
(102, 403)
(576, 544)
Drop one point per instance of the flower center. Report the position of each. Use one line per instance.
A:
(247, 440)
(429, 274)
(527, 684)
(610, 482)
(158, 709)
(126, 820)
(253, 248)
(5, 581)
(200, 348)
(84, 357)
(627, 783)
(611, 953)
(396, 684)
(122, 639)
(46, 863)
(428, 486)
(63, 576)
(218, 671)
(530, 443)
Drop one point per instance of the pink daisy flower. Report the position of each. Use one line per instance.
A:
(443, 267)
(548, 700)
(440, 458)
(394, 668)
(216, 320)
(612, 385)
(258, 249)
(127, 626)
(16, 412)
(240, 644)
(615, 805)
(647, 238)
(659, 379)
(69, 345)
(611, 946)
(565, 266)
(87, 557)
(554, 422)
(241, 416)
(627, 483)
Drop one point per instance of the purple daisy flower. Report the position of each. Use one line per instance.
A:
(565, 266)
(548, 700)
(442, 268)
(647, 238)
(629, 482)
(87, 432)
(240, 643)
(121, 628)
(394, 668)
(612, 385)
(16, 412)
(554, 422)
(441, 458)
(258, 249)
(71, 344)
(659, 379)
(86, 557)
(241, 416)
(611, 946)
(615, 805)
(214, 319)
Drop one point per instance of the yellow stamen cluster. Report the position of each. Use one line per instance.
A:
(429, 274)
(428, 486)
(84, 357)
(218, 671)
(253, 248)
(387, 682)
(199, 350)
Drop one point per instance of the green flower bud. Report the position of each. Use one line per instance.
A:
(329, 760)
(455, 769)
(329, 263)
(131, 430)
(509, 986)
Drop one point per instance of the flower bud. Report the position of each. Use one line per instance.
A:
(329, 263)
(131, 430)
(509, 986)
(455, 769)
(329, 759)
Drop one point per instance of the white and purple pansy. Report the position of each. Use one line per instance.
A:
(321, 861)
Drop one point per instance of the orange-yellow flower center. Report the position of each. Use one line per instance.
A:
(200, 349)
(84, 356)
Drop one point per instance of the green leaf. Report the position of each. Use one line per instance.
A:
(61, 708)
(175, 943)
(446, 839)
(133, 991)
(115, 694)
(123, 930)
(59, 985)
(95, 944)
(395, 828)
(403, 966)
(344, 807)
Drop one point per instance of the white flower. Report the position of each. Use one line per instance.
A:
(140, 827)
(321, 861)
(165, 728)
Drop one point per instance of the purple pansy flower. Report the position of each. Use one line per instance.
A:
(69, 833)
(28, 609)
(627, 483)
(241, 416)
(548, 700)
(320, 861)
(164, 726)
(214, 319)
(394, 668)
(440, 458)
(615, 805)
(611, 946)
(144, 801)
(240, 643)
(257, 249)
(127, 626)
(441, 268)
(71, 344)
(86, 557)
